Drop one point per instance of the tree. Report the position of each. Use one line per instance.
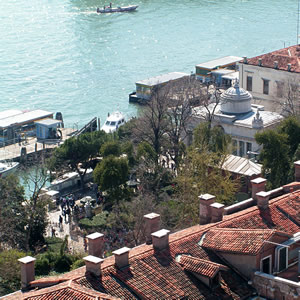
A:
(13, 214)
(111, 175)
(289, 95)
(278, 153)
(200, 173)
(111, 148)
(76, 153)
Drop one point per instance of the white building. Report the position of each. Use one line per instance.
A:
(238, 118)
(269, 76)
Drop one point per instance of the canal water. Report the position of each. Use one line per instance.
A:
(60, 55)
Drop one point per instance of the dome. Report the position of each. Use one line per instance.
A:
(236, 100)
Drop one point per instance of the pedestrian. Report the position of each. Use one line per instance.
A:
(65, 215)
(85, 244)
(60, 221)
(53, 232)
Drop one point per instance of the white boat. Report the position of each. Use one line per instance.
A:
(113, 122)
(7, 168)
(109, 9)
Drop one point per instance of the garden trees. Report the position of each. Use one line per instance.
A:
(78, 150)
(280, 149)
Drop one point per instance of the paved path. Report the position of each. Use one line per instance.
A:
(76, 243)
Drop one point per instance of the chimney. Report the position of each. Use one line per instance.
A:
(122, 257)
(151, 225)
(205, 201)
(260, 62)
(95, 244)
(258, 185)
(275, 64)
(245, 60)
(160, 239)
(297, 170)
(217, 210)
(27, 271)
(289, 66)
(263, 200)
(93, 265)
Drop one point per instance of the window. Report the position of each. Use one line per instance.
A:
(249, 83)
(266, 264)
(279, 89)
(249, 147)
(241, 148)
(234, 147)
(282, 257)
(266, 86)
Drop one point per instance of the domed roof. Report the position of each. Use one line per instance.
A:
(236, 100)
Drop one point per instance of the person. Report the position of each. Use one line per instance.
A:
(85, 244)
(110, 4)
(53, 232)
(60, 220)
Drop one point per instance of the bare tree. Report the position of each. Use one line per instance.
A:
(289, 94)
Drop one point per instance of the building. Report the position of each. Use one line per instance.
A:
(239, 118)
(15, 122)
(245, 251)
(47, 129)
(270, 76)
(204, 70)
(145, 87)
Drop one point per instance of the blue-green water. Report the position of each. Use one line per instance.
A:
(60, 55)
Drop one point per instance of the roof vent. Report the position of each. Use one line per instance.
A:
(260, 62)
(275, 64)
(93, 264)
(160, 239)
(122, 257)
(27, 271)
(289, 66)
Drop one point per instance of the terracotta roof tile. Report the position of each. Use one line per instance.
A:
(289, 55)
(236, 240)
(201, 266)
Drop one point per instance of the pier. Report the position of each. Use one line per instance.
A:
(32, 146)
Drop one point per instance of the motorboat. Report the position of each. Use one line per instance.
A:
(113, 122)
(7, 168)
(109, 9)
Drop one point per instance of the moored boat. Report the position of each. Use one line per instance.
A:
(109, 9)
(113, 122)
(7, 168)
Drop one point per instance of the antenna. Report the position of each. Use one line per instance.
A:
(298, 22)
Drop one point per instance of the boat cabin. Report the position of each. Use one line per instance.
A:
(145, 87)
(203, 70)
(113, 122)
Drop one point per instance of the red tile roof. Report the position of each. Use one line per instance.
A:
(201, 266)
(289, 55)
(236, 240)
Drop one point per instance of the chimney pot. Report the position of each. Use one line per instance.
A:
(205, 200)
(289, 66)
(93, 264)
(275, 64)
(297, 170)
(260, 62)
(160, 239)
(27, 271)
(95, 244)
(258, 185)
(217, 210)
(245, 60)
(151, 225)
(263, 200)
(122, 257)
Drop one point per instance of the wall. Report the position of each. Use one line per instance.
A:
(276, 288)
(270, 101)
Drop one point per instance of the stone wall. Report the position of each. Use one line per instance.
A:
(276, 288)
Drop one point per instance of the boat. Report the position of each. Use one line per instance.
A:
(7, 168)
(109, 9)
(113, 122)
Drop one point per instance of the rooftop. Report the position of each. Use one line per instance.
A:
(162, 78)
(220, 62)
(285, 56)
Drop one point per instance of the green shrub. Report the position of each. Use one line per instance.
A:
(97, 222)
(63, 263)
(42, 266)
(77, 264)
